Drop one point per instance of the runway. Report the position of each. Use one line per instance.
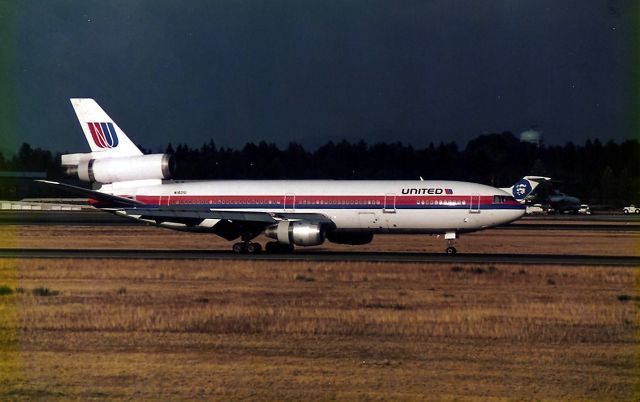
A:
(83, 218)
(325, 256)
(623, 223)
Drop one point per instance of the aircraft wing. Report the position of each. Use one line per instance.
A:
(227, 224)
(175, 214)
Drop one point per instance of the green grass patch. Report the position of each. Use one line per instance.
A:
(5, 290)
(625, 298)
(475, 270)
(42, 291)
(303, 278)
(392, 306)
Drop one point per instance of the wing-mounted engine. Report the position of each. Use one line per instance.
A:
(300, 233)
(119, 169)
(308, 233)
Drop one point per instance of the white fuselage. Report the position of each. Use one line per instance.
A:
(379, 206)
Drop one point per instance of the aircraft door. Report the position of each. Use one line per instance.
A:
(389, 203)
(289, 202)
(474, 205)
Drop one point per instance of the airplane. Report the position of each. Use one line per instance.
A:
(562, 203)
(291, 212)
(555, 200)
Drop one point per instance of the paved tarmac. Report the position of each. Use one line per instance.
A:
(90, 218)
(324, 256)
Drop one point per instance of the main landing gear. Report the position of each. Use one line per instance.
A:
(247, 247)
(451, 237)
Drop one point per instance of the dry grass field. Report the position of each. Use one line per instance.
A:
(556, 241)
(220, 330)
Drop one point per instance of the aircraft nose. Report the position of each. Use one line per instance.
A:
(518, 213)
(513, 215)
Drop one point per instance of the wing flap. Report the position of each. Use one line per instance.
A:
(301, 216)
(170, 213)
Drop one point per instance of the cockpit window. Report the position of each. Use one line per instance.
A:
(502, 199)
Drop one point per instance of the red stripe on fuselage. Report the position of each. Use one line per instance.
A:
(310, 200)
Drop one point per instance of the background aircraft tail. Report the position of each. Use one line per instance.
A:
(525, 186)
(104, 136)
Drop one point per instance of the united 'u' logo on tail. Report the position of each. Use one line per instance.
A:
(104, 135)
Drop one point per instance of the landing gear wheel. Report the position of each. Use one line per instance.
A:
(270, 247)
(253, 248)
(451, 240)
(239, 248)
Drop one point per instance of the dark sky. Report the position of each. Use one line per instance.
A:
(310, 71)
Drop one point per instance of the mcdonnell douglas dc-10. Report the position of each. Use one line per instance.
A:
(291, 212)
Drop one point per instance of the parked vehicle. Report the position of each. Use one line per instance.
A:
(631, 209)
(584, 210)
(535, 209)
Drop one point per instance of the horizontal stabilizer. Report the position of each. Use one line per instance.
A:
(95, 195)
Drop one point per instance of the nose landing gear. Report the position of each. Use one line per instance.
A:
(451, 237)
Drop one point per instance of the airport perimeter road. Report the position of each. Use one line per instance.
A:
(325, 256)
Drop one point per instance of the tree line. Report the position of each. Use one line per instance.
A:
(596, 172)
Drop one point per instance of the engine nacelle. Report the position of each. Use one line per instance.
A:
(352, 238)
(110, 170)
(300, 233)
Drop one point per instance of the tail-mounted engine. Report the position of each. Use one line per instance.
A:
(300, 233)
(111, 170)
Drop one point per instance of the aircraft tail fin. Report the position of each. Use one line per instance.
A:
(104, 136)
(525, 186)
